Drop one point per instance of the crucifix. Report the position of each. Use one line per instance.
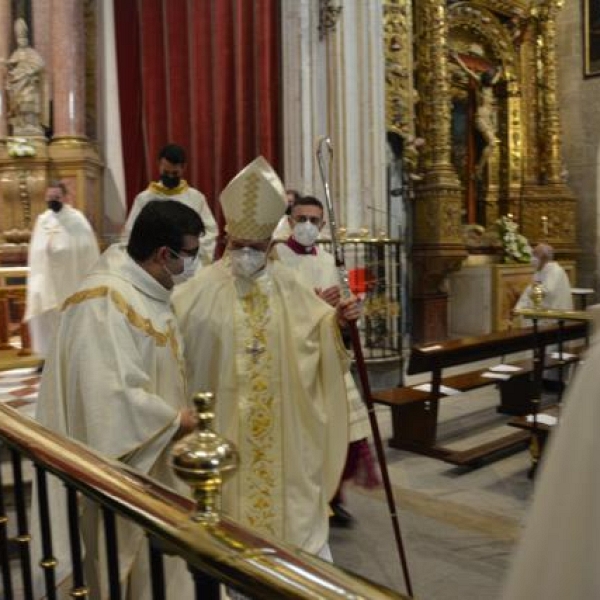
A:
(255, 350)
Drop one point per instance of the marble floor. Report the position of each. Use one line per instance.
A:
(459, 525)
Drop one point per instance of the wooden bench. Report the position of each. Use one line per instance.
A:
(415, 412)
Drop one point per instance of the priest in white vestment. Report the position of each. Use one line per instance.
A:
(259, 338)
(115, 381)
(554, 280)
(557, 557)
(171, 186)
(62, 250)
(317, 266)
(556, 295)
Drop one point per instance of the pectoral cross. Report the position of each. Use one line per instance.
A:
(255, 349)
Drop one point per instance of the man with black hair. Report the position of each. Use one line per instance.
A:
(62, 249)
(171, 186)
(115, 379)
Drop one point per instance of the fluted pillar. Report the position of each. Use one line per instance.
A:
(5, 37)
(68, 69)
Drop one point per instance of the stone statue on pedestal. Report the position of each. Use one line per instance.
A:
(24, 86)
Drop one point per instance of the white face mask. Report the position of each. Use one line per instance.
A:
(189, 268)
(306, 233)
(246, 262)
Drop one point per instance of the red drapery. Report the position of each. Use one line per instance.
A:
(204, 74)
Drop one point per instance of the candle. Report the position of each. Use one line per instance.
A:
(545, 225)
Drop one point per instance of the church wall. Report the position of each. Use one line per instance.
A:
(580, 116)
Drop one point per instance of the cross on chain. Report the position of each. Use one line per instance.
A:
(255, 349)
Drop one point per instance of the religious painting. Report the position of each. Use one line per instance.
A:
(591, 37)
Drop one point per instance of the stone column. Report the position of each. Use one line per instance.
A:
(356, 115)
(42, 15)
(6, 35)
(303, 95)
(68, 70)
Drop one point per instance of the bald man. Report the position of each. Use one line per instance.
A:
(554, 280)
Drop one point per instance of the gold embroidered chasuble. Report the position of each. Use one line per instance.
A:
(115, 381)
(271, 352)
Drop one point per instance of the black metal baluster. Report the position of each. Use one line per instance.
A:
(23, 537)
(79, 588)
(4, 552)
(48, 562)
(112, 553)
(207, 588)
(561, 360)
(157, 571)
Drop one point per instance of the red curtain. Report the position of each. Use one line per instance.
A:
(204, 74)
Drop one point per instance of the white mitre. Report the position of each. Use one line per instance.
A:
(253, 201)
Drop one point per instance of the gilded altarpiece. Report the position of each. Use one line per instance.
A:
(484, 100)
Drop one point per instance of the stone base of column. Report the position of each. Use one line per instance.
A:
(430, 318)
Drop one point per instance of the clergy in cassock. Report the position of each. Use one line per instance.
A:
(114, 380)
(62, 250)
(259, 338)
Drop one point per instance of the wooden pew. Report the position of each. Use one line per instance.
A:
(415, 412)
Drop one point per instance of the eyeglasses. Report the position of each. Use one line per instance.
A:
(191, 252)
(303, 219)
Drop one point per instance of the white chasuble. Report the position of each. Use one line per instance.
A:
(271, 352)
(63, 249)
(115, 381)
(319, 271)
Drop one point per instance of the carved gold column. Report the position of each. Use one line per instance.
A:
(399, 92)
(550, 117)
(438, 247)
(548, 205)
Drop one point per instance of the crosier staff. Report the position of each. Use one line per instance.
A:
(336, 247)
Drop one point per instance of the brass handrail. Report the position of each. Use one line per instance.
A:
(553, 313)
(224, 550)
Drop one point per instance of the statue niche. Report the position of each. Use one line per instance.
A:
(477, 112)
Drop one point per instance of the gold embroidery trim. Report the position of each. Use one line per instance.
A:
(157, 188)
(260, 443)
(133, 317)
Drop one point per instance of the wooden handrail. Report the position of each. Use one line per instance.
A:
(227, 551)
